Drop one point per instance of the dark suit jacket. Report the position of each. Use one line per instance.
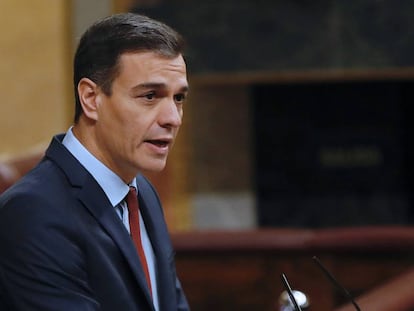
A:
(63, 247)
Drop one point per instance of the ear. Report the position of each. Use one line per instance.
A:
(89, 97)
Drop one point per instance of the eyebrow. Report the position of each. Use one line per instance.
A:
(155, 85)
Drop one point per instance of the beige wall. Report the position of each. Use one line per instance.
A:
(34, 72)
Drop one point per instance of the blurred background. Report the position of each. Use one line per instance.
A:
(299, 118)
(300, 112)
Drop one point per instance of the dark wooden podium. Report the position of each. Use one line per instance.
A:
(231, 270)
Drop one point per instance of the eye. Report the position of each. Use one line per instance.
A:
(149, 96)
(180, 98)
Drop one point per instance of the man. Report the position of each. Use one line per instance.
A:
(68, 236)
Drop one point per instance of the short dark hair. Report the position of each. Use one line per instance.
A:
(99, 49)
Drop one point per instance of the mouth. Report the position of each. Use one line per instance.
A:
(159, 145)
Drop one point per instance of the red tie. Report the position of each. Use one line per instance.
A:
(133, 210)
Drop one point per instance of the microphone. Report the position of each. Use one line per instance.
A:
(290, 293)
(334, 281)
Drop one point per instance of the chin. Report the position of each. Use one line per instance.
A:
(154, 167)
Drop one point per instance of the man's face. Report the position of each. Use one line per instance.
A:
(137, 124)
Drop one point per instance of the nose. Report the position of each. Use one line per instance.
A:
(171, 114)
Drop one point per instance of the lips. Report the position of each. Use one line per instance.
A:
(158, 142)
(159, 145)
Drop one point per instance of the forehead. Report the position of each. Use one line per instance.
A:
(139, 69)
(145, 63)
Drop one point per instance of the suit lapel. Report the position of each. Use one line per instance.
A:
(94, 199)
(100, 207)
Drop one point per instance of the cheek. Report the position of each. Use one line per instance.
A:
(136, 129)
(118, 117)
